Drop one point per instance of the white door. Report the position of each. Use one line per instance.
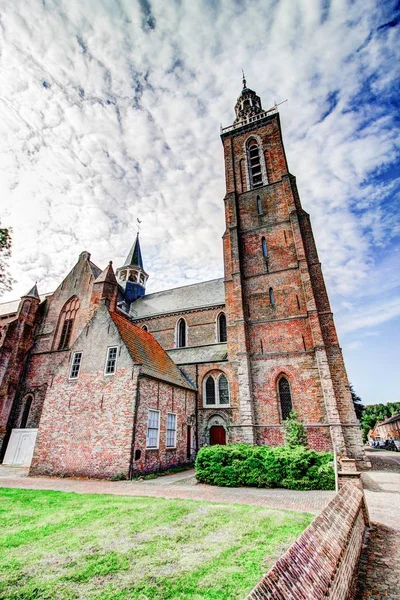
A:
(20, 447)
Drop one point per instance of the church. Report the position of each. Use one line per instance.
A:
(100, 379)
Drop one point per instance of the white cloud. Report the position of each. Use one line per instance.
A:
(109, 112)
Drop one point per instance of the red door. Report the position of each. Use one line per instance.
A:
(217, 435)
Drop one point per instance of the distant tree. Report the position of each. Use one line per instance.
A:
(377, 412)
(5, 253)
(358, 405)
(295, 432)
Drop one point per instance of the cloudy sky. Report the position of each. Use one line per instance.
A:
(110, 110)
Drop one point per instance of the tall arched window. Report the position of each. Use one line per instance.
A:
(285, 397)
(216, 390)
(271, 297)
(254, 164)
(66, 322)
(210, 391)
(222, 327)
(25, 413)
(264, 247)
(259, 206)
(181, 334)
(223, 390)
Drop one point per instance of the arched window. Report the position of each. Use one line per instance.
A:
(181, 334)
(210, 391)
(66, 322)
(264, 247)
(222, 327)
(285, 397)
(271, 297)
(25, 413)
(254, 164)
(216, 390)
(259, 206)
(145, 328)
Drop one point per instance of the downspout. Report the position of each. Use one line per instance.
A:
(196, 409)
(135, 417)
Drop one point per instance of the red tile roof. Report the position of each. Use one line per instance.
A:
(146, 351)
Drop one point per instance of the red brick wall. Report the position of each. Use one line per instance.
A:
(328, 550)
(201, 327)
(166, 398)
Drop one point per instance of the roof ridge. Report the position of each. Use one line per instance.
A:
(179, 287)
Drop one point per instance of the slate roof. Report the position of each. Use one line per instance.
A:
(9, 308)
(94, 268)
(134, 257)
(199, 354)
(197, 295)
(146, 351)
(392, 419)
(33, 293)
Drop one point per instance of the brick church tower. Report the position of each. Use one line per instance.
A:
(282, 339)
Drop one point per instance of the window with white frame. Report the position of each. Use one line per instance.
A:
(75, 365)
(153, 429)
(111, 360)
(216, 391)
(171, 430)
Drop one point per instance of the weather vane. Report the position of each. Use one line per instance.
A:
(138, 225)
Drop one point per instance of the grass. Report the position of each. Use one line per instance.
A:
(63, 546)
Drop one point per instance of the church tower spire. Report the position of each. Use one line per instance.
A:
(131, 276)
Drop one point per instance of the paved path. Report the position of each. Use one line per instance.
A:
(379, 572)
(181, 485)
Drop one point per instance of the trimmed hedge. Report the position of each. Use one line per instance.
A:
(238, 465)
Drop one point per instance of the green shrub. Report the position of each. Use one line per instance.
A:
(295, 468)
(295, 431)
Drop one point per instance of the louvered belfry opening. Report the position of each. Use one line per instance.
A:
(255, 165)
(285, 397)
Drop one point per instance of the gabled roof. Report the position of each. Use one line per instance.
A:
(146, 351)
(94, 268)
(392, 419)
(188, 297)
(134, 257)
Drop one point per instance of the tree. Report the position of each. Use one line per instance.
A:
(377, 412)
(358, 405)
(295, 432)
(5, 253)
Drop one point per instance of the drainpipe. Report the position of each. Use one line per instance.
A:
(135, 416)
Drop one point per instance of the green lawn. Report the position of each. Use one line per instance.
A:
(56, 545)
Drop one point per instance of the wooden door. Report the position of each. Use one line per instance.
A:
(217, 435)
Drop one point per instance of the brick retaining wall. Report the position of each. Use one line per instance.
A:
(322, 562)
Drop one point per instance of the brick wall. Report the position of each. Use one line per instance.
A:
(166, 398)
(322, 562)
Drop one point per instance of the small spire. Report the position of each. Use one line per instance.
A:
(33, 293)
(134, 257)
(244, 80)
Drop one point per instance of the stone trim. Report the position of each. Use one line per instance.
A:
(176, 312)
(322, 562)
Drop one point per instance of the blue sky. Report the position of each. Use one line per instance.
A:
(110, 110)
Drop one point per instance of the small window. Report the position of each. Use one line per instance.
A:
(285, 397)
(298, 302)
(75, 365)
(145, 328)
(222, 327)
(111, 361)
(210, 391)
(259, 206)
(171, 430)
(264, 247)
(181, 333)
(153, 429)
(271, 297)
(27, 408)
